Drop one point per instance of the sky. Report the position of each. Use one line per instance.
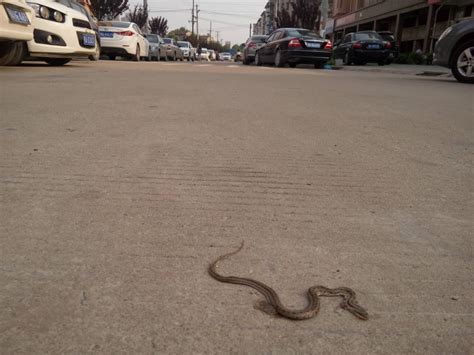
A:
(231, 18)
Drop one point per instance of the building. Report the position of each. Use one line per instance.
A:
(416, 24)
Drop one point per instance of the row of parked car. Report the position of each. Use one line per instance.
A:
(293, 46)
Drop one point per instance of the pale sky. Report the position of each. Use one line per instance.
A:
(230, 17)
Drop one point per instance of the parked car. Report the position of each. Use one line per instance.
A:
(123, 39)
(204, 54)
(395, 50)
(189, 52)
(173, 51)
(61, 33)
(226, 56)
(212, 55)
(156, 49)
(294, 46)
(455, 50)
(363, 47)
(83, 6)
(251, 46)
(15, 29)
(238, 56)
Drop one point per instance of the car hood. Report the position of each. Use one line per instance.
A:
(62, 8)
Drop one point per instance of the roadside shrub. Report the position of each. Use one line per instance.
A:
(412, 58)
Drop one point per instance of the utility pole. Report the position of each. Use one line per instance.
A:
(210, 30)
(192, 19)
(197, 22)
(217, 33)
(250, 31)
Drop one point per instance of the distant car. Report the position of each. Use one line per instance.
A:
(173, 52)
(363, 47)
(294, 46)
(455, 50)
(204, 54)
(156, 50)
(123, 39)
(189, 52)
(15, 29)
(212, 55)
(251, 46)
(226, 56)
(395, 50)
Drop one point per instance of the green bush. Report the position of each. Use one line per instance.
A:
(413, 58)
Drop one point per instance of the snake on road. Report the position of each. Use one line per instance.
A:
(349, 302)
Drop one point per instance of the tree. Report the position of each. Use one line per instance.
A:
(158, 25)
(179, 34)
(108, 9)
(307, 13)
(284, 19)
(139, 15)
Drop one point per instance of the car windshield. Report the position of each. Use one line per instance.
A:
(152, 39)
(72, 5)
(114, 24)
(183, 44)
(167, 40)
(388, 37)
(258, 39)
(204, 50)
(363, 36)
(302, 33)
(225, 54)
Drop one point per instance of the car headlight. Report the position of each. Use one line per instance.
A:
(445, 33)
(47, 13)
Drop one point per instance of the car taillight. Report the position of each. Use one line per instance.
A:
(388, 45)
(126, 33)
(294, 43)
(357, 45)
(252, 45)
(328, 45)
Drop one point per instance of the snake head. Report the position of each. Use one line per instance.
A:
(359, 312)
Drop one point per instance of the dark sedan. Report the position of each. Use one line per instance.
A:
(363, 47)
(395, 50)
(455, 50)
(294, 46)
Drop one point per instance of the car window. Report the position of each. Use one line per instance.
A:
(348, 38)
(167, 40)
(272, 37)
(152, 39)
(258, 39)
(363, 36)
(137, 29)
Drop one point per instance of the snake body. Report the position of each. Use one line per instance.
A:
(348, 302)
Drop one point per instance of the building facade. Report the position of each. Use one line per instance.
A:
(416, 24)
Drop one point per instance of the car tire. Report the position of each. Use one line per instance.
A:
(279, 62)
(462, 64)
(347, 59)
(292, 65)
(381, 63)
(136, 57)
(319, 65)
(19, 55)
(245, 61)
(57, 62)
(258, 62)
(111, 57)
(96, 56)
(7, 52)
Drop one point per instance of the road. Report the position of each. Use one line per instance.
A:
(121, 182)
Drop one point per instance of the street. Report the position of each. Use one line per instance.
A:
(121, 182)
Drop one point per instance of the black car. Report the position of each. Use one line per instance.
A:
(395, 50)
(294, 46)
(455, 50)
(363, 47)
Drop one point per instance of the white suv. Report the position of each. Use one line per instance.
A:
(189, 52)
(15, 29)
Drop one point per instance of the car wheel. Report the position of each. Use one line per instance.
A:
(347, 59)
(258, 63)
(381, 63)
(136, 57)
(292, 65)
(462, 63)
(57, 62)
(19, 55)
(245, 61)
(7, 52)
(279, 62)
(319, 65)
(96, 56)
(111, 57)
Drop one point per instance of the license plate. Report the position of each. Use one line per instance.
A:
(17, 15)
(313, 45)
(373, 46)
(106, 34)
(89, 40)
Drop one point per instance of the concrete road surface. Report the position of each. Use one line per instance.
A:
(121, 182)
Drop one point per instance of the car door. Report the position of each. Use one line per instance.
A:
(344, 46)
(265, 51)
(142, 41)
(275, 45)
